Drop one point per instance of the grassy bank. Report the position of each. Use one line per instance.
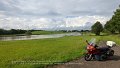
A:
(57, 49)
(47, 32)
(38, 33)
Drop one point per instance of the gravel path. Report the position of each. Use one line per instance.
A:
(113, 62)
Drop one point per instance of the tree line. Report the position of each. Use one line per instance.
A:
(12, 31)
(112, 26)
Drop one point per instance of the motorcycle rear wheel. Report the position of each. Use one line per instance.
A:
(111, 52)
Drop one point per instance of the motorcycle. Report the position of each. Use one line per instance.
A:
(98, 53)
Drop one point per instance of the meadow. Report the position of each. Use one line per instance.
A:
(62, 49)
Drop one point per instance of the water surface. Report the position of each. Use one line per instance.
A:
(7, 38)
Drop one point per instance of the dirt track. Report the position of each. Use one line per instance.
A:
(113, 62)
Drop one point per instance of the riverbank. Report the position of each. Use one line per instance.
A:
(24, 53)
(48, 32)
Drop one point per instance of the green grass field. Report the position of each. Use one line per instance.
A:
(58, 49)
(47, 32)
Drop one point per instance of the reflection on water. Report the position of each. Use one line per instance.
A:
(37, 36)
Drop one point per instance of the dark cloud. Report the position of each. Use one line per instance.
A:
(58, 7)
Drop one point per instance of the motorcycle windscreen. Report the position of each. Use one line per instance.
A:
(92, 41)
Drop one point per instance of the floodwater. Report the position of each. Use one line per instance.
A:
(8, 38)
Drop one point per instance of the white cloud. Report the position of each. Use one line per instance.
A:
(47, 23)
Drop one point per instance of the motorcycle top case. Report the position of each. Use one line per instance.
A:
(110, 43)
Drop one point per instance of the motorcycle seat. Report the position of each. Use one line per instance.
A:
(103, 49)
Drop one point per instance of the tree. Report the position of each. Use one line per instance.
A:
(109, 26)
(113, 25)
(1, 31)
(116, 19)
(97, 28)
(28, 32)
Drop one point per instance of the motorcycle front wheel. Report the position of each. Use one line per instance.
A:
(88, 57)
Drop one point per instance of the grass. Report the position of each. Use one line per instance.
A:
(58, 49)
(47, 32)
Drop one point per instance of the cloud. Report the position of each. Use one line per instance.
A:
(54, 14)
(51, 24)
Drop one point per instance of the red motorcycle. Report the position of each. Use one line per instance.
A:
(95, 52)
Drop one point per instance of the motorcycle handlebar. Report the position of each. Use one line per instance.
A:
(87, 42)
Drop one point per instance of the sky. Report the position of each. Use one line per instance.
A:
(55, 14)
